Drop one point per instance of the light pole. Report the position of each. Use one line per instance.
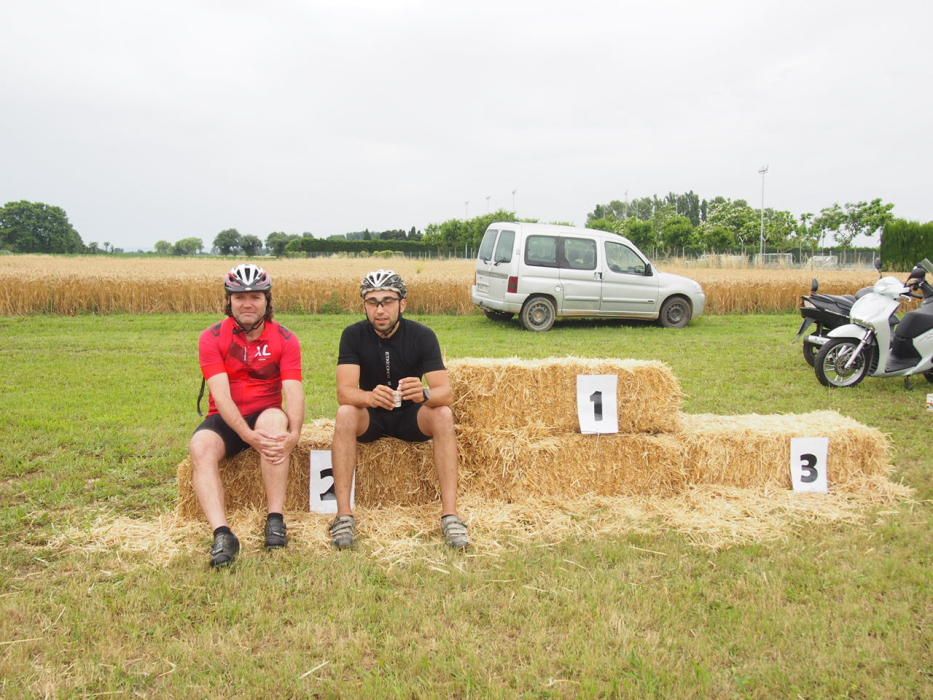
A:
(763, 171)
(487, 202)
(513, 201)
(466, 209)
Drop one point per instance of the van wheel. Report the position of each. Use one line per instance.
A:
(675, 313)
(498, 315)
(538, 314)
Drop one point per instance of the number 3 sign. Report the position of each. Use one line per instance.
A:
(596, 403)
(808, 464)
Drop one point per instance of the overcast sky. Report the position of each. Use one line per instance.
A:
(161, 120)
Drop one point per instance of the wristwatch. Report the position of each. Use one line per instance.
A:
(427, 394)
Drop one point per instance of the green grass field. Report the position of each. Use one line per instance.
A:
(97, 414)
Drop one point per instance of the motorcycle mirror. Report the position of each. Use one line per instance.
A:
(814, 285)
(876, 263)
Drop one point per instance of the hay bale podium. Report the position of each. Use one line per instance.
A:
(519, 437)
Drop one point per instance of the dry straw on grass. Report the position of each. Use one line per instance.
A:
(109, 284)
(499, 394)
(711, 517)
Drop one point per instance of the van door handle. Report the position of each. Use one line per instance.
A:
(597, 275)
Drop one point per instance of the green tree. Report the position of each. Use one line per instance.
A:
(35, 227)
(864, 218)
(163, 248)
(674, 231)
(610, 224)
(742, 221)
(228, 242)
(188, 246)
(779, 228)
(641, 233)
(715, 237)
(251, 245)
(277, 242)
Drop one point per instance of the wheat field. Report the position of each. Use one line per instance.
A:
(101, 284)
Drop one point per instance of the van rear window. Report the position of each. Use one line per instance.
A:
(541, 251)
(504, 247)
(485, 247)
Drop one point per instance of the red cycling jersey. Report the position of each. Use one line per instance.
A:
(255, 368)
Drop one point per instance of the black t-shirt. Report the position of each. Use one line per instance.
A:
(412, 351)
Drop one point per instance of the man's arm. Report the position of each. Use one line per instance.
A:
(219, 384)
(350, 394)
(294, 394)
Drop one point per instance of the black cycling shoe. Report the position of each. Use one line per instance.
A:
(276, 536)
(226, 547)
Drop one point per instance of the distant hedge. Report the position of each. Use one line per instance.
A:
(905, 243)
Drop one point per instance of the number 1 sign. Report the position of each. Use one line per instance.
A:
(808, 464)
(596, 403)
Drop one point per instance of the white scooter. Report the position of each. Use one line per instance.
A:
(873, 345)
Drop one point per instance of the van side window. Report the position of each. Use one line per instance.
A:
(504, 247)
(579, 254)
(541, 251)
(485, 247)
(621, 258)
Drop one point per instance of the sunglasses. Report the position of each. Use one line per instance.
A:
(384, 303)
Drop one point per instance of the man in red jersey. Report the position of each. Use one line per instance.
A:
(249, 362)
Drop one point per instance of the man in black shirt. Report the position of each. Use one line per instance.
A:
(380, 391)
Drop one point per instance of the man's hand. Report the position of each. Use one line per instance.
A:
(382, 397)
(275, 447)
(412, 389)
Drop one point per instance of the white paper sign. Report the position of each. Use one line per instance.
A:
(596, 403)
(808, 464)
(323, 498)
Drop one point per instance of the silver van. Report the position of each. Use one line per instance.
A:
(543, 272)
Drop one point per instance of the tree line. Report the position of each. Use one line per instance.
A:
(673, 223)
(679, 222)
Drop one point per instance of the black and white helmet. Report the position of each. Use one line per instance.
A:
(379, 280)
(247, 277)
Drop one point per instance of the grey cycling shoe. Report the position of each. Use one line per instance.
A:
(455, 532)
(343, 531)
(276, 533)
(226, 547)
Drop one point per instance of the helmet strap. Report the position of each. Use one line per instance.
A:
(391, 331)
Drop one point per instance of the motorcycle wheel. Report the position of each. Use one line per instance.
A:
(810, 351)
(929, 375)
(833, 355)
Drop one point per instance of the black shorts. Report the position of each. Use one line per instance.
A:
(402, 423)
(232, 442)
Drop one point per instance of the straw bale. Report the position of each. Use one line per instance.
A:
(512, 465)
(494, 394)
(752, 450)
(388, 471)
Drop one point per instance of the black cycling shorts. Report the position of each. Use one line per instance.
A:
(402, 423)
(232, 442)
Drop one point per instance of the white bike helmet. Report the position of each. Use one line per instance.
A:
(247, 277)
(379, 280)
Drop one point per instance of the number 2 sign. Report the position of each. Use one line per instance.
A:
(596, 403)
(323, 498)
(808, 464)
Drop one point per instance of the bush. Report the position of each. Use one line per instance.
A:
(904, 243)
